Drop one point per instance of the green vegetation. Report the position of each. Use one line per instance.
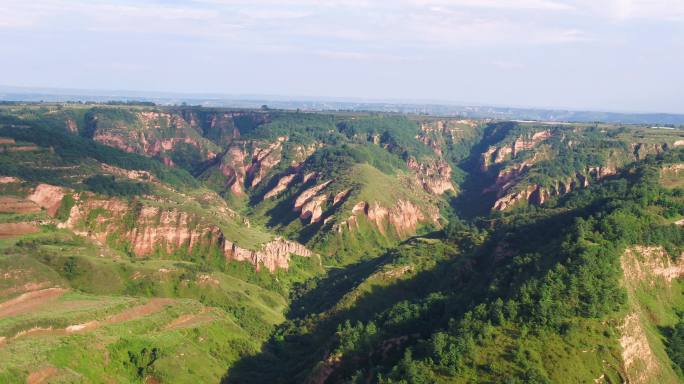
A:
(108, 185)
(542, 284)
(130, 276)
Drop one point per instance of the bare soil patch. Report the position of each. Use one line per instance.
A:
(42, 375)
(8, 230)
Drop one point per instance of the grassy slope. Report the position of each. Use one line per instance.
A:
(235, 314)
(536, 334)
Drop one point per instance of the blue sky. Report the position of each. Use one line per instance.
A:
(622, 55)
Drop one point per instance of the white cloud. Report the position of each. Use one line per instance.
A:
(629, 10)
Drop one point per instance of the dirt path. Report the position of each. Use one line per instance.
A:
(153, 306)
(190, 319)
(29, 301)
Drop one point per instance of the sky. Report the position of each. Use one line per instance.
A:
(615, 55)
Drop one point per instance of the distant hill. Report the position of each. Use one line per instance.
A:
(348, 104)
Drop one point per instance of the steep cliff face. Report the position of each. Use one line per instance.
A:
(532, 162)
(442, 136)
(309, 194)
(263, 161)
(282, 185)
(433, 175)
(499, 153)
(312, 210)
(509, 194)
(150, 229)
(651, 270)
(403, 218)
(150, 133)
(273, 255)
(223, 127)
(641, 150)
(246, 163)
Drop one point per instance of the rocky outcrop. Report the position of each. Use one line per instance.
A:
(433, 176)
(282, 185)
(234, 169)
(510, 200)
(600, 172)
(499, 154)
(644, 267)
(308, 194)
(263, 161)
(273, 255)
(526, 144)
(71, 126)
(166, 229)
(508, 177)
(377, 214)
(507, 181)
(341, 196)
(153, 134)
(313, 208)
(8, 180)
(48, 197)
(150, 229)
(309, 176)
(641, 150)
(403, 218)
(246, 163)
(438, 133)
(132, 174)
(310, 203)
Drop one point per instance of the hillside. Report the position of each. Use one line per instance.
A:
(179, 244)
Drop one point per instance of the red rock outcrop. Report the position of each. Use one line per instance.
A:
(148, 136)
(535, 194)
(377, 214)
(404, 217)
(309, 194)
(263, 161)
(282, 185)
(341, 196)
(313, 208)
(309, 176)
(234, 169)
(8, 180)
(513, 198)
(71, 126)
(434, 176)
(273, 255)
(168, 230)
(247, 163)
(498, 154)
